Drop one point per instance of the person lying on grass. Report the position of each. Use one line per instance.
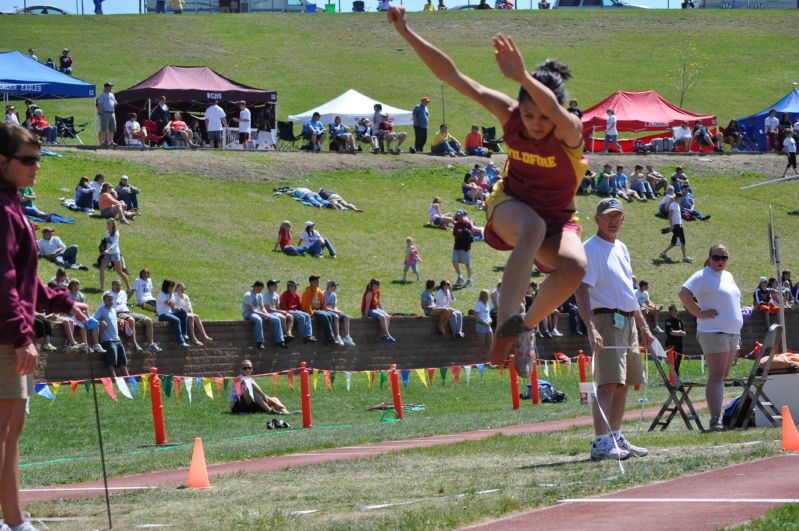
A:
(531, 210)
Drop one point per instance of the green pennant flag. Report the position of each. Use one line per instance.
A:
(383, 378)
(332, 377)
(225, 385)
(86, 386)
(443, 372)
(166, 384)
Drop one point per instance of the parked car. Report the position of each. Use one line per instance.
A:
(593, 4)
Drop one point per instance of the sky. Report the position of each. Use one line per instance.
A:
(132, 6)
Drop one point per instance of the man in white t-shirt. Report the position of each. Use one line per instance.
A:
(677, 233)
(772, 129)
(789, 147)
(244, 124)
(607, 304)
(215, 123)
(684, 136)
(53, 249)
(611, 133)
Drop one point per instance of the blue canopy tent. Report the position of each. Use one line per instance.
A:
(753, 126)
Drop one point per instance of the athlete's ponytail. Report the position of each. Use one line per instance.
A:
(552, 74)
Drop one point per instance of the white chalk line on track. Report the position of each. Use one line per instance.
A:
(83, 489)
(680, 500)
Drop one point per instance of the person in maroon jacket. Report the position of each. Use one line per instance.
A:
(21, 293)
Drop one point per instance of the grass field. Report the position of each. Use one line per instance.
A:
(311, 59)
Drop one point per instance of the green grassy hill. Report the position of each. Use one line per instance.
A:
(310, 59)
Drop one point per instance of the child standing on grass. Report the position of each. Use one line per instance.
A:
(531, 211)
(789, 146)
(411, 259)
(482, 323)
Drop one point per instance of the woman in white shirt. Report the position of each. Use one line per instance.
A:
(483, 322)
(313, 242)
(167, 312)
(438, 219)
(112, 255)
(611, 133)
(432, 309)
(444, 298)
(143, 286)
(718, 323)
(183, 302)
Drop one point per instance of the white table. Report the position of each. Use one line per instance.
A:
(783, 390)
(262, 140)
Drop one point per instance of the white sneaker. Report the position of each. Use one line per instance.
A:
(339, 341)
(687, 259)
(97, 348)
(635, 451)
(49, 347)
(607, 450)
(24, 526)
(555, 333)
(348, 341)
(152, 347)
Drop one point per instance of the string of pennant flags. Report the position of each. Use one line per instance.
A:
(204, 385)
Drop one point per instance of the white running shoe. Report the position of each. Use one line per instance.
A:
(635, 451)
(349, 342)
(152, 347)
(97, 348)
(523, 357)
(607, 450)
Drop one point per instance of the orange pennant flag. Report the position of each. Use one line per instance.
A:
(328, 383)
(430, 374)
(456, 373)
(290, 376)
(219, 382)
(274, 383)
(176, 380)
(372, 375)
(72, 386)
(109, 387)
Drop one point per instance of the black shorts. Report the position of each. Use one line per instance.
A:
(243, 138)
(114, 353)
(677, 234)
(240, 406)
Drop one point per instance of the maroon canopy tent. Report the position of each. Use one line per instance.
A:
(191, 89)
(635, 112)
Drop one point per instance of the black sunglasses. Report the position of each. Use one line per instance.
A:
(246, 368)
(27, 160)
(720, 257)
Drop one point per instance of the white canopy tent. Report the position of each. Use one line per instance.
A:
(352, 106)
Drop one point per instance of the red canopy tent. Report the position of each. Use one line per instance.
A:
(190, 89)
(637, 111)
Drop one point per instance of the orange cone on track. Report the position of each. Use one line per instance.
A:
(198, 472)
(790, 437)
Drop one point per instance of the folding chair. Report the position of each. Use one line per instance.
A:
(153, 134)
(678, 395)
(753, 395)
(286, 136)
(490, 140)
(66, 128)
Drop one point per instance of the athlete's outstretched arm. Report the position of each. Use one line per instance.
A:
(567, 126)
(495, 102)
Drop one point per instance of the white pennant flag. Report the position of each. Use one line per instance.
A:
(468, 370)
(189, 382)
(546, 368)
(348, 374)
(123, 387)
(248, 383)
(702, 363)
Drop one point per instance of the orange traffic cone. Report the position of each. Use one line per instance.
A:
(198, 473)
(790, 437)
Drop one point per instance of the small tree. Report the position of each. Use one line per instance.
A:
(690, 63)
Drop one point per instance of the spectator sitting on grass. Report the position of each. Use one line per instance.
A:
(639, 183)
(437, 219)
(341, 321)
(471, 191)
(688, 204)
(290, 302)
(655, 180)
(432, 309)
(53, 249)
(668, 197)
(83, 195)
(679, 179)
(336, 201)
(115, 356)
(372, 306)
(313, 242)
(127, 194)
(97, 186)
(252, 398)
(65, 62)
(314, 132)
(60, 280)
(621, 184)
(110, 206)
(27, 196)
(340, 137)
(284, 241)
(648, 308)
(474, 143)
(589, 181)
(445, 297)
(182, 301)
(606, 182)
(445, 144)
(167, 312)
(703, 137)
(131, 318)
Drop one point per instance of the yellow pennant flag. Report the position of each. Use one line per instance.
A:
(422, 378)
(56, 387)
(368, 378)
(315, 378)
(145, 383)
(207, 388)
